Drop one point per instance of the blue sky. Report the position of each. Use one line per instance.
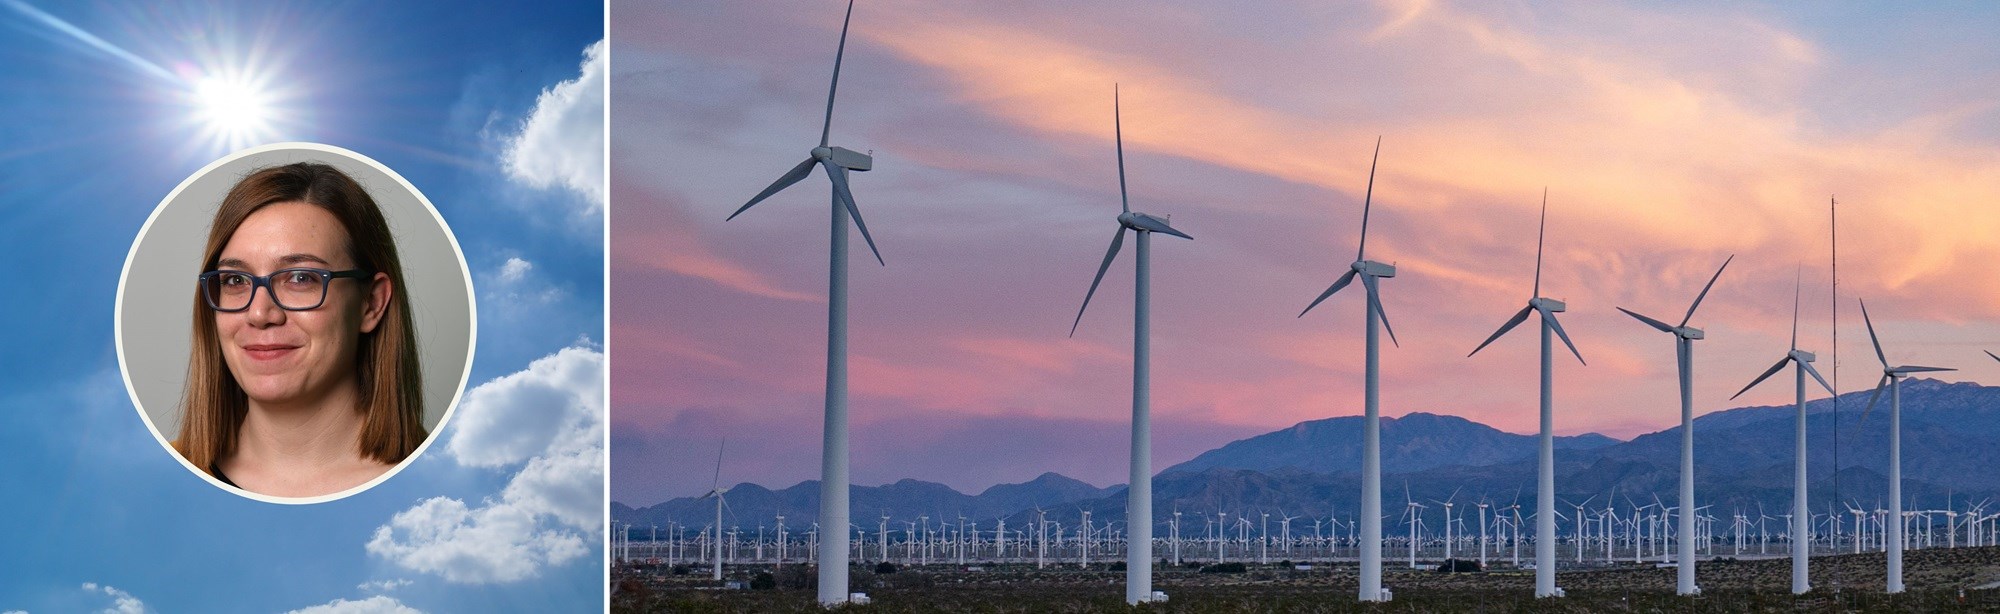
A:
(486, 109)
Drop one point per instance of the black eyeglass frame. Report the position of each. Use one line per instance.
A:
(264, 281)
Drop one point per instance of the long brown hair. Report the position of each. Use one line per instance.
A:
(386, 361)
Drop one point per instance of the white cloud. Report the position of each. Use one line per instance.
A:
(513, 270)
(553, 406)
(379, 604)
(561, 144)
(549, 418)
(383, 586)
(122, 602)
(494, 543)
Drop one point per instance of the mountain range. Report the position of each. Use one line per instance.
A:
(1951, 445)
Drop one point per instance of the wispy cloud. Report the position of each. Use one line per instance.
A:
(383, 586)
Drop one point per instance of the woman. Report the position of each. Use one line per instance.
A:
(303, 379)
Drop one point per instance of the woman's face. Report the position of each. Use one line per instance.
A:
(280, 356)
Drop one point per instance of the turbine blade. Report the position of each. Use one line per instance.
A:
(1990, 353)
(1704, 290)
(846, 197)
(1118, 130)
(1917, 369)
(1367, 198)
(1799, 283)
(716, 487)
(1541, 232)
(1375, 303)
(1822, 381)
(1557, 324)
(1109, 255)
(1871, 335)
(1662, 326)
(826, 129)
(1519, 317)
(790, 177)
(1337, 285)
(1767, 374)
(1872, 397)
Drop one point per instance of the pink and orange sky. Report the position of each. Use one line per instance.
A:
(1668, 138)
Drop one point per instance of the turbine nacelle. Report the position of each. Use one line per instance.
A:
(1802, 356)
(1689, 332)
(1145, 222)
(1374, 269)
(845, 158)
(1548, 304)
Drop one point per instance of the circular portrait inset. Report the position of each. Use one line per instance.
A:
(295, 322)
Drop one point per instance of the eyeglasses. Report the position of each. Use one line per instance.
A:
(299, 289)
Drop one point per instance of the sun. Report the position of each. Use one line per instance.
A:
(233, 111)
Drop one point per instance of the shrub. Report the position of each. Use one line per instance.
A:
(798, 576)
(1225, 568)
(1457, 566)
(885, 567)
(764, 581)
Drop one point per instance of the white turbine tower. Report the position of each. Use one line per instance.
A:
(1892, 378)
(837, 161)
(1139, 493)
(1804, 360)
(1545, 479)
(1684, 338)
(1371, 429)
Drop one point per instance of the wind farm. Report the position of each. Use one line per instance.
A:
(997, 458)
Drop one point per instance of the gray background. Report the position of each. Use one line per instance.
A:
(158, 289)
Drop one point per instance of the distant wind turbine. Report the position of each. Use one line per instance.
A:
(1371, 430)
(1892, 378)
(1545, 482)
(1804, 360)
(1684, 338)
(837, 161)
(1139, 493)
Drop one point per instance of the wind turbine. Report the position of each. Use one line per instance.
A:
(1684, 338)
(1412, 511)
(1892, 378)
(1804, 361)
(1545, 480)
(1139, 495)
(716, 490)
(1371, 429)
(836, 161)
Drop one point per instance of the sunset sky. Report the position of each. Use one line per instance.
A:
(1668, 138)
(103, 116)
